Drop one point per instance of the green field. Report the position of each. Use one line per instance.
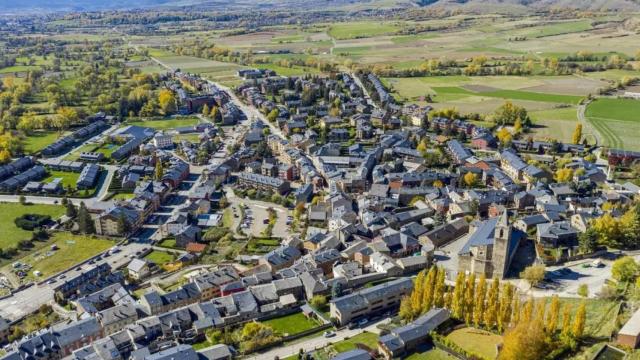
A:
(433, 354)
(557, 124)
(159, 257)
(511, 95)
(291, 324)
(10, 234)
(476, 341)
(72, 249)
(601, 316)
(166, 124)
(617, 121)
(68, 178)
(354, 30)
(38, 140)
(365, 338)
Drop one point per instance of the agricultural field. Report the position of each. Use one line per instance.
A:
(10, 234)
(617, 121)
(356, 30)
(166, 124)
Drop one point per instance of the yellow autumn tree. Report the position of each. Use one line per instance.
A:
(577, 329)
(577, 133)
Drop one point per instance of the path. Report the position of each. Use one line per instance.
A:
(587, 125)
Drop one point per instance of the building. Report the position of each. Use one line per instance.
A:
(404, 340)
(490, 248)
(138, 269)
(88, 177)
(370, 301)
(629, 335)
(263, 182)
(163, 141)
(210, 283)
(445, 233)
(107, 222)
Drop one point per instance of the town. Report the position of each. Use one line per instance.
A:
(311, 216)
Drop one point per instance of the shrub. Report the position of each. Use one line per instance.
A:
(31, 221)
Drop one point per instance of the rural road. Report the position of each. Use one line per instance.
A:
(582, 108)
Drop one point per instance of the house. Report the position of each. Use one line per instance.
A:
(370, 301)
(263, 182)
(445, 233)
(188, 234)
(138, 269)
(280, 258)
(209, 284)
(107, 222)
(356, 354)
(560, 236)
(490, 248)
(403, 340)
(88, 177)
(163, 141)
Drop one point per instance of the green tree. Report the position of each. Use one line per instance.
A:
(85, 222)
(318, 302)
(533, 274)
(624, 269)
(588, 241)
(583, 290)
(71, 210)
(159, 171)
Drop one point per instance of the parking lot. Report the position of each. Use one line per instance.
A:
(565, 280)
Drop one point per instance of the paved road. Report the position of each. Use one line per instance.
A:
(30, 299)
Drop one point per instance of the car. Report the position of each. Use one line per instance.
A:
(63, 276)
(329, 334)
(352, 326)
(79, 268)
(363, 322)
(265, 221)
(51, 281)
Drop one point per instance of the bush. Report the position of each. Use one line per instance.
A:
(31, 221)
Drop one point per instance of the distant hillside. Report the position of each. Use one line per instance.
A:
(510, 5)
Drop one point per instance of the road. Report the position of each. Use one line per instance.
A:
(588, 129)
(315, 343)
(30, 299)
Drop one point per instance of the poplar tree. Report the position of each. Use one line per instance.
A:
(566, 322)
(416, 295)
(429, 289)
(457, 302)
(481, 292)
(491, 312)
(504, 313)
(552, 318)
(527, 312)
(438, 297)
(579, 321)
(469, 298)
(515, 317)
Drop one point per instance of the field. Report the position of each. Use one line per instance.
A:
(159, 257)
(601, 316)
(10, 234)
(38, 140)
(166, 124)
(477, 341)
(291, 324)
(72, 249)
(355, 30)
(69, 179)
(557, 124)
(617, 121)
(432, 354)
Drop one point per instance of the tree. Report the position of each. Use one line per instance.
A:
(577, 328)
(273, 115)
(438, 297)
(624, 269)
(564, 175)
(22, 199)
(533, 274)
(215, 114)
(517, 126)
(85, 222)
(504, 310)
(469, 297)
(417, 293)
(205, 110)
(470, 179)
(65, 117)
(588, 241)
(318, 302)
(479, 306)
(577, 133)
(336, 290)
(457, 302)
(159, 171)
(491, 312)
(429, 288)
(508, 113)
(255, 335)
(71, 210)
(583, 290)
(406, 311)
(566, 321)
(167, 101)
(504, 136)
(554, 312)
(526, 341)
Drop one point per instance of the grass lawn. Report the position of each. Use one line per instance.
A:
(291, 324)
(365, 338)
(227, 218)
(10, 234)
(432, 354)
(601, 315)
(168, 243)
(159, 257)
(289, 71)
(72, 249)
(556, 124)
(476, 341)
(123, 196)
(511, 94)
(38, 140)
(617, 122)
(167, 124)
(68, 178)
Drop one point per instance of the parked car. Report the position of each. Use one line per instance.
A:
(329, 334)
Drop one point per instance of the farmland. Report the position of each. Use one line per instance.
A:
(617, 121)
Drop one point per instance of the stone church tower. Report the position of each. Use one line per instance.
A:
(501, 246)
